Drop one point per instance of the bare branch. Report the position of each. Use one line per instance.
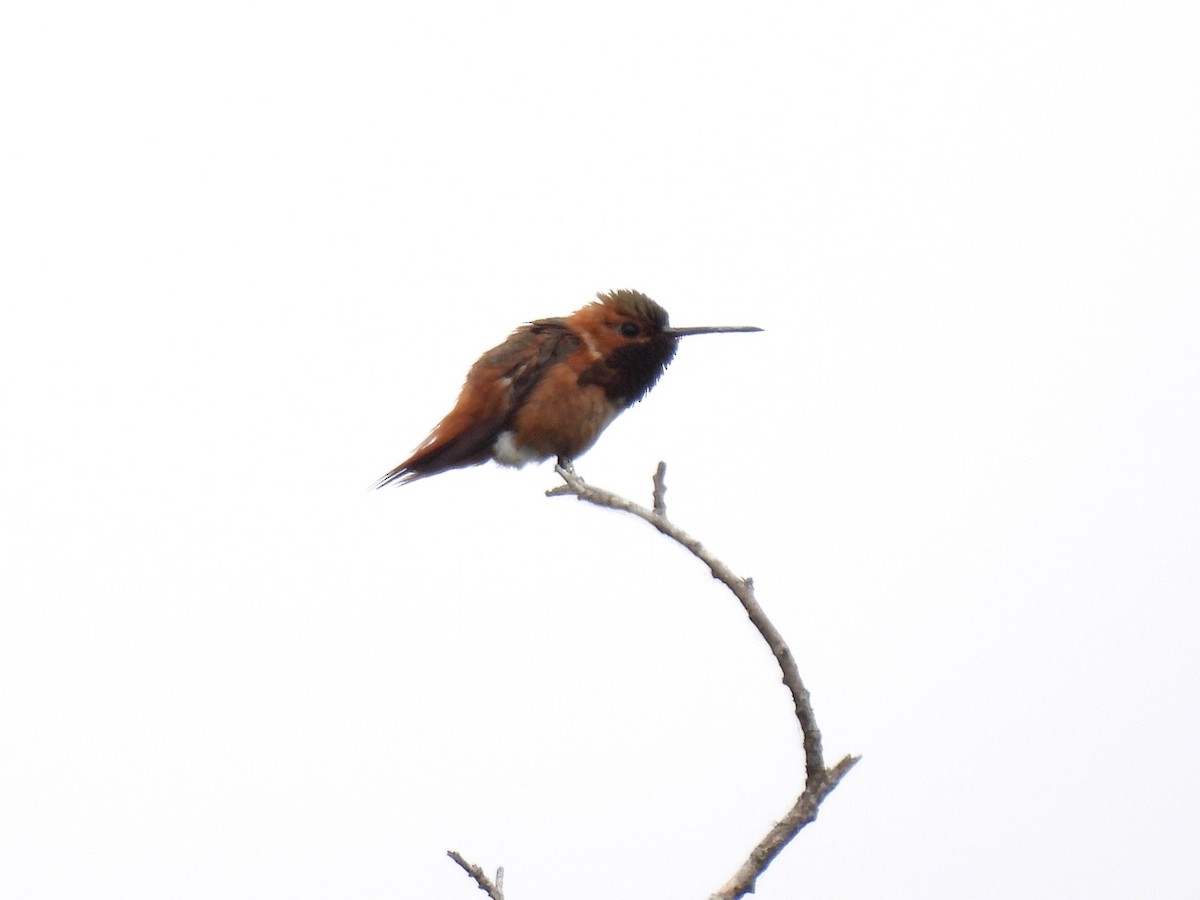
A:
(742, 588)
(818, 781)
(494, 889)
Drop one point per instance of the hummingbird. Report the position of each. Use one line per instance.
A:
(553, 386)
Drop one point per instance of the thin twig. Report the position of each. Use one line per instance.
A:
(660, 490)
(818, 781)
(494, 889)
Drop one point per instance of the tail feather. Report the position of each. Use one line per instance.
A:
(398, 475)
(469, 447)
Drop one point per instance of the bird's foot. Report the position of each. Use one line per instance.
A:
(567, 466)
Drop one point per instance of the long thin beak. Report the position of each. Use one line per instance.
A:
(706, 329)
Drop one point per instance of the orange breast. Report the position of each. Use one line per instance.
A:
(560, 417)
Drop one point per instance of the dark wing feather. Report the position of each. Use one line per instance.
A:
(496, 387)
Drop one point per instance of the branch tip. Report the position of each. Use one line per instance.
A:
(494, 889)
(660, 490)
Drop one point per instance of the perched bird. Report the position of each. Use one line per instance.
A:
(552, 387)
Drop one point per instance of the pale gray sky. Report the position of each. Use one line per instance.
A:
(250, 251)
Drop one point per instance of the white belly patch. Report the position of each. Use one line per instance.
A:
(506, 451)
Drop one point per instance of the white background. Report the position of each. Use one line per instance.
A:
(249, 251)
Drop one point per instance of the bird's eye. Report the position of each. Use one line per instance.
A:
(630, 329)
